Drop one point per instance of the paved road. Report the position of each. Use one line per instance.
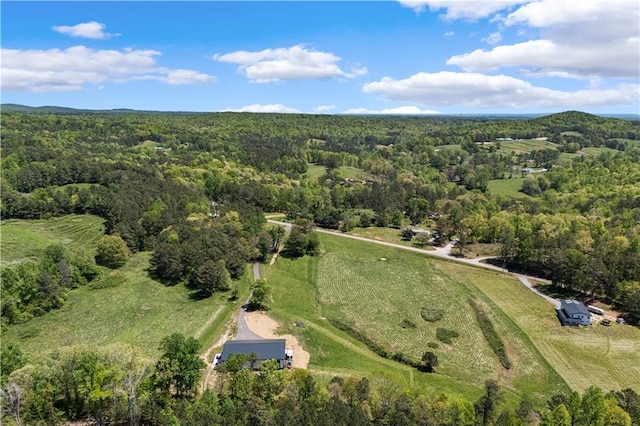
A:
(244, 333)
(441, 252)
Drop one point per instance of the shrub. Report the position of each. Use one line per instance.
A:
(445, 335)
(112, 252)
(407, 324)
(432, 314)
(491, 335)
(432, 345)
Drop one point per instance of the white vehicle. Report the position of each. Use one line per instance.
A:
(216, 358)
(595, 310)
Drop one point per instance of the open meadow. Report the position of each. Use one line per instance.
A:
(121, 306)
(507, 187)
(382, 292)
(24, 240)
(608, 357)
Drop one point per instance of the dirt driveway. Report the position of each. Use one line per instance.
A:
(265, 326)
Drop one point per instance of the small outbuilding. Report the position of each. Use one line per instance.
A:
(573, 312)
(265, 349)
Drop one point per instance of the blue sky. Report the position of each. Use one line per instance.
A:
(408, 56)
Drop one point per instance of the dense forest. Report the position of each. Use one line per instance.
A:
(193, 189)
(184, 184)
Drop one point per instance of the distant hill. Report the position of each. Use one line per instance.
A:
(576, 117)
(64, 110)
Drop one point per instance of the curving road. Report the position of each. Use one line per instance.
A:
(441, 252)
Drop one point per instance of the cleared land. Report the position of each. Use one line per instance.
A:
(24, 240)
(507, 187)
(608, 357)
(126, 306)
(314, 171)
(351, 282)
(392, 235)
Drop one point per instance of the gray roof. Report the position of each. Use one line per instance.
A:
(574, 307)
(264, 348)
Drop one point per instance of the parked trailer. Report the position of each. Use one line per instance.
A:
(595, 310)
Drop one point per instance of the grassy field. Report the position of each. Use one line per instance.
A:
(352, 283)
(26, 239)
(314, 171)
(392, 235)
(295, 295)
(131, 308)
(526, 145)
(595, 151)
(608, 357)
(507, 187)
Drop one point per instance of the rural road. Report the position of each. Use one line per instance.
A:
(244, 333)
(441, 252)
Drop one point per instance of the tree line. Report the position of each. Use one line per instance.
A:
(114, 385)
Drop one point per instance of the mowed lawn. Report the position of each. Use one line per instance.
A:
(608, 357)
(374, 288)
(131, 309)
(26, 239)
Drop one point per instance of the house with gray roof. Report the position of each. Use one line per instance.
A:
(264, 349)
(573, 312)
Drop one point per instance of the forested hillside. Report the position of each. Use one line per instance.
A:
(193, 190)
(148, 175)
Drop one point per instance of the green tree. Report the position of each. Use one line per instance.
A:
(211, 277)
(558, 417)
(429, 362)
(112, 251)
(260, 295)
(11, 359)
(180, 367)
(487, 406)
(592, 408)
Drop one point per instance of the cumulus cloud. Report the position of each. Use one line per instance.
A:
(403, 110)
(72, 69)
(288, 63)
(325, 108)
(449, 33)
(495, 91)
(545, 57)
(91, 29)
(586, 38)
(275, 108)
(462, 9)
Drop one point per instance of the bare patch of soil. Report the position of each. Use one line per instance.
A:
(265, 326)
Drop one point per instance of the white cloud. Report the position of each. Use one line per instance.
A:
(586, 38)
(91, 29)
(462, 9)
(403, 110)
(288, 63)
(71, 69)
(546, 57)
(449, 33)
(493, 38)
(498, 91)
(547, 13)
(277, 108)
(325, 108)
(182, 77)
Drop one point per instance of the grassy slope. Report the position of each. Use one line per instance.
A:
(332, 351)
(26, 239)
(605, 356)
(350, 282)
(137, 310)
